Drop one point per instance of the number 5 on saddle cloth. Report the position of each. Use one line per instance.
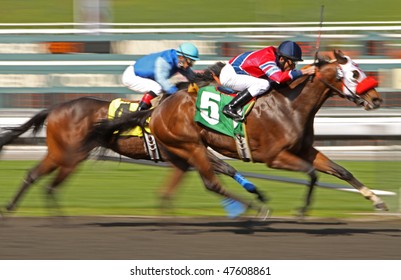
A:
(209, 105)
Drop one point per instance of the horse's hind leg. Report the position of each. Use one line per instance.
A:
(324, 164)
(224, 168)
(45, 167)
(198, 157)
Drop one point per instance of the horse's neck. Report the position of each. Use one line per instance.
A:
(317, 91)
(302, 96)
(311, 98)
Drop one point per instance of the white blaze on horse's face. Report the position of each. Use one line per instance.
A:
(352, 76)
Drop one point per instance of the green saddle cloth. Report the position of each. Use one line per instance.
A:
(209, 104)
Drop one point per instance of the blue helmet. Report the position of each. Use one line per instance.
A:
(188, 50)
(291, 50)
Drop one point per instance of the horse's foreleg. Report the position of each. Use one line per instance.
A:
(179, 167)
(288, 161)
(175, 178)
(222, 167)
(62, 174)
(168, 190)
(43, 168)
(324, 164)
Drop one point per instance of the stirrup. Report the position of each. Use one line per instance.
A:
(143, 106)
(228, 111)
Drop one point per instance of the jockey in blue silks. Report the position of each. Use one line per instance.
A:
(150, 74)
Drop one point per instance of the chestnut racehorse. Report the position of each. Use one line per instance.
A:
(279, 128)
(69, 123)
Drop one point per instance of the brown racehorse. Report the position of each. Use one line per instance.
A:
(279, 127)
(69, 123)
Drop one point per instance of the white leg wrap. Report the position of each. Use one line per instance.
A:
(367, 193)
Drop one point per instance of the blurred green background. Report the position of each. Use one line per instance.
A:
(14, 11)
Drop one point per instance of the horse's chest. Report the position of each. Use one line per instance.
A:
(279, 132)
(287, 127)
(293, 132)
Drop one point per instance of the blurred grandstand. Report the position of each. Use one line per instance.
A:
(44, 64)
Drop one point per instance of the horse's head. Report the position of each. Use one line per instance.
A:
(352, 83)
(211, 74)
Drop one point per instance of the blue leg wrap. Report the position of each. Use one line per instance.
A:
(244, 182)
(232, 207)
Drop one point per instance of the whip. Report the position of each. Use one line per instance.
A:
(320, 32)
(317, 46)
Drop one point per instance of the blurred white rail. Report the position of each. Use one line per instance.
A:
(329, 124)
(201, 27)
(202, 30)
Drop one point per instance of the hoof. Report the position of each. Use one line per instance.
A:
(301, 213)
(264, 213)
(233, 207)
(262, 197)
(3, 214)
(166, 202)
(9, 208)
(381, 206)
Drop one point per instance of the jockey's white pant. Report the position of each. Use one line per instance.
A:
(229, 78)
(139, 84)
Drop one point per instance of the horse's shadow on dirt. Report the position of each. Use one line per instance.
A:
(250, 227)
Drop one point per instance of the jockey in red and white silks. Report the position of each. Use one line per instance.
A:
(252, 72)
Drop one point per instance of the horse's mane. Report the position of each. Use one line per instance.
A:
(205, 77)
(322, 60)
(216, 68)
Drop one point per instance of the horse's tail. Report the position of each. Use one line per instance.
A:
(105, 132)
(11, 133)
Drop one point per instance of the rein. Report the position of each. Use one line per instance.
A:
(215, 77)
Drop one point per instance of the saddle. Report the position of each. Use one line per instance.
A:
(227, 90)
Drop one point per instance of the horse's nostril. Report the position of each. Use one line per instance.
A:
(377, 102)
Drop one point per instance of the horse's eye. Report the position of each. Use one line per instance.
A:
(355, 75)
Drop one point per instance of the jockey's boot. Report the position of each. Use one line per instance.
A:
(145, 104)
(232, 108)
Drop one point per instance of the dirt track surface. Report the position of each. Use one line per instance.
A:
(129, 238)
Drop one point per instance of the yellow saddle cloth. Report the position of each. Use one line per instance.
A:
(118, 107)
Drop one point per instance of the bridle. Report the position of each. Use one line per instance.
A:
(340, 77)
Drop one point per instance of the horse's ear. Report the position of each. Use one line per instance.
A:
(339, 55)
(322, 59)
